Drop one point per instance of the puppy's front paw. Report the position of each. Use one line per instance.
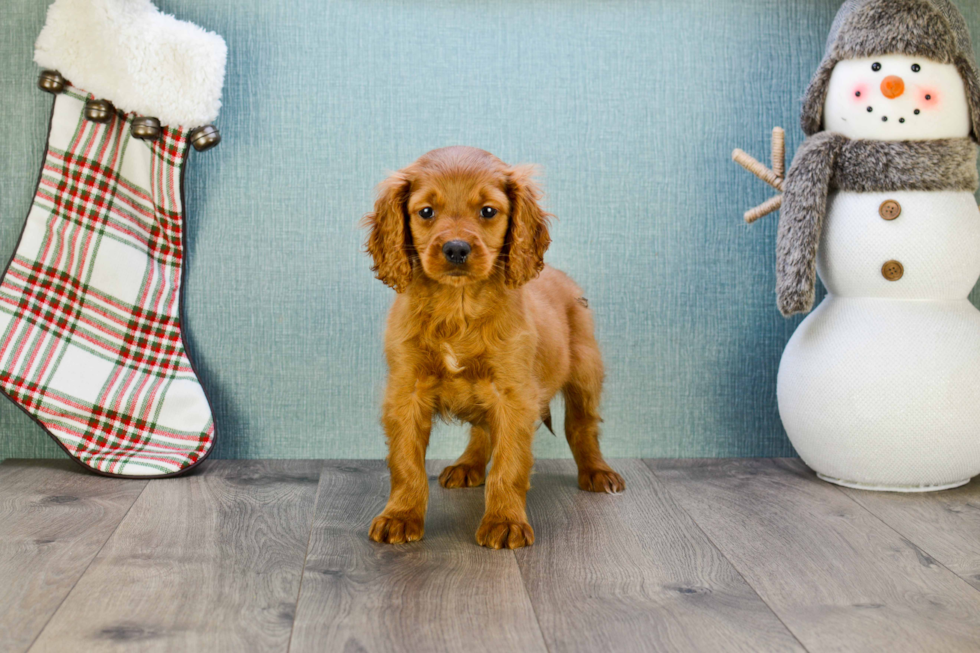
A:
(601, 480)
(456, 476)
(499, 533)
(396, 529)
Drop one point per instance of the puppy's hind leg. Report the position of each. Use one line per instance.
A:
(582, 394)
(470, 470)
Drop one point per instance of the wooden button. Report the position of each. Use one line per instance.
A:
(890, 209)
(892, 270)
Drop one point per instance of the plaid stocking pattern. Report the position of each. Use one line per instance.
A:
(90, 337)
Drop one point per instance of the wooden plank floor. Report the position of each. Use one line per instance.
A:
(834, 573)
(210, 562)
(634, 569)
(444, 593)
(711, 555)
(53, 522)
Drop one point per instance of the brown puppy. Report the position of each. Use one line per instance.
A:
(477, 335)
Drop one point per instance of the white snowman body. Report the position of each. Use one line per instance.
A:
(879, 387)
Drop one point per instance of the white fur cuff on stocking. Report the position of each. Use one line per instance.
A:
(141, 60)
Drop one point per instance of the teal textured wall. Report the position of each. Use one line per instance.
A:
(631, 107)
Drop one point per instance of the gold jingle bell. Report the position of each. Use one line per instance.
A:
(99, 110)
(51, 81)
(145, 128)
(204, 138)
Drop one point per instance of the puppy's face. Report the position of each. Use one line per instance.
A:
(458, 219)
(458, 215)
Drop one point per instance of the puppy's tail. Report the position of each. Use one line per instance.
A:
(546, 420)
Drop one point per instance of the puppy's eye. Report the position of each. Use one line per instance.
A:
(876, 66)
(488, 212)
(916, 68)
(426, 213)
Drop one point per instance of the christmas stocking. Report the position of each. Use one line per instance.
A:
(90, 304)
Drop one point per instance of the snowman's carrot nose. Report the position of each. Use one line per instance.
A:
(892, 87)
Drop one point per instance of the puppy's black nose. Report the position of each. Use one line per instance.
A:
(456, 251)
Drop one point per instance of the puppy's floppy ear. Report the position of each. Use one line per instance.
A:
(527, 233)
(389, 241)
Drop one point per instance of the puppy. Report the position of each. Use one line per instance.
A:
(480, 331)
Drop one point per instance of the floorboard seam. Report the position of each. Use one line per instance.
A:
(902, 535)
(738, 571)
(306, 555)
(85, 571)
(530, 601)
(905, 537)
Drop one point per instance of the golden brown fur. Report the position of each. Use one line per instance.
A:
(489, 341)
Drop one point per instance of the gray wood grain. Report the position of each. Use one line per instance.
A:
(633, 572)
(837, 576)
(54, 518)
(946, 525)
(211, 561)
(444, 593)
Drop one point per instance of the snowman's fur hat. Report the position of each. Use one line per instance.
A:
(934, 29)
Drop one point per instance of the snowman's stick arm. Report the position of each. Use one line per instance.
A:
(779, 152)
(758, 169)
(770, 206)
(775, 176)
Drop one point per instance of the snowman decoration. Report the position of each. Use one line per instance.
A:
(879, 387)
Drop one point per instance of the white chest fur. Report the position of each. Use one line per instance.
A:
(935, 237)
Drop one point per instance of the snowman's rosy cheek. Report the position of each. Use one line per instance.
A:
(928, 99)
(859, 93)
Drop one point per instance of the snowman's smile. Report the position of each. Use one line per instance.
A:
(896, 97)
(884, 118)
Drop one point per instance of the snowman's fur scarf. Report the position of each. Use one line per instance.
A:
(933, 29)
(141, 60)
(827, 162)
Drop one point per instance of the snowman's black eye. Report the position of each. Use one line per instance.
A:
(488, 212)
(426, 213)
(916, 68)
(876, 66)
